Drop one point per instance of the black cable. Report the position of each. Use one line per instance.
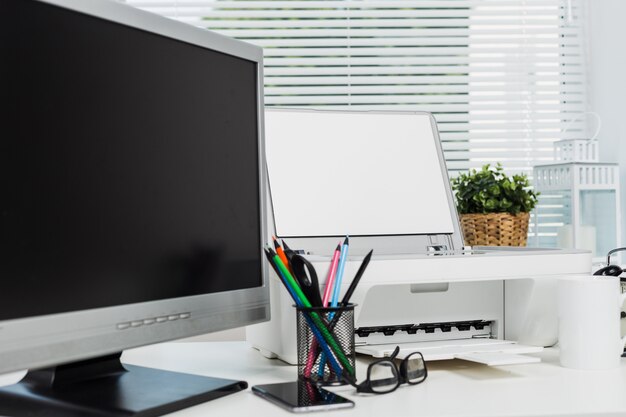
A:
(611, 270)
(611, 252)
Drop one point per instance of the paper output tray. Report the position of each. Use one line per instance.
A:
(491, 352)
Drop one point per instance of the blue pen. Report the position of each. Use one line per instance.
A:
(320, 340)
(334, 300)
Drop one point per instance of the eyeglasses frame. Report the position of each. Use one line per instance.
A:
(400, 373)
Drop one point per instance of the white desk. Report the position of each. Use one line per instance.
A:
(453, 388)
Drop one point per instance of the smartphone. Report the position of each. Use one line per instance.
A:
(301, 396)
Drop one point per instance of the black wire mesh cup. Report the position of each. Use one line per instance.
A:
(313, 363)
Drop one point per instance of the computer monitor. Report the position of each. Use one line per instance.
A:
(131, 199)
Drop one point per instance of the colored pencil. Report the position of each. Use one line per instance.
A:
(314, 315)
(325, 299)
(344, 302)
(357, 278)
(336, 289)
(330, 279)
(342, 265)
(298, 302)
(280, 252)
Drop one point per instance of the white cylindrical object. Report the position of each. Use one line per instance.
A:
(589, 322)
(585, 237)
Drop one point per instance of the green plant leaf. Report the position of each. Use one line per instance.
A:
(490, 190)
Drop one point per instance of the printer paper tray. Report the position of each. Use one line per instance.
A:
(487, 351)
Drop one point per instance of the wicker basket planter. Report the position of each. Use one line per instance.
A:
(495, 229)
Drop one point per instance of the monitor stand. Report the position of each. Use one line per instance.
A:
(104, 387)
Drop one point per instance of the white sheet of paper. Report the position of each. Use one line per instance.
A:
(497, 358)
(491, 352)
(334, 173)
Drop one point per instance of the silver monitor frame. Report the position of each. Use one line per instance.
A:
(41, 341)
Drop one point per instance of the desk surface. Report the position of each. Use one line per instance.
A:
(453, 388)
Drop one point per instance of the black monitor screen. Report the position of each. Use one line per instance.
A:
(128, 165)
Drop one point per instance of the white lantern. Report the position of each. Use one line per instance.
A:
(579, 205)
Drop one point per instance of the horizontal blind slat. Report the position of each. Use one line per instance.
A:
(472, 64)
(422, 89)
(512, 72)
(363, 32)
(429, 80)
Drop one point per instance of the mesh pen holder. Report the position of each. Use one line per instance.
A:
(313, 363)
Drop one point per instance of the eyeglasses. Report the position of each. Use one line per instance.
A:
(384, 376)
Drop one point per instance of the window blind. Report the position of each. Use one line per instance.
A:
(502, 77)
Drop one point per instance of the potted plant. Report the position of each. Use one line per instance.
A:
(494, 208)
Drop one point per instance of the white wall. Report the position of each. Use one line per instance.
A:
(606, 31)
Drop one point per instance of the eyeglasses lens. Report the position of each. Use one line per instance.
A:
(415, 369)
(383, 377)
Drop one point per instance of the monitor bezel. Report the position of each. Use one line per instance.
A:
(40, 341)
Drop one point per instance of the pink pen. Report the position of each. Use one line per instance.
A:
(330, 279)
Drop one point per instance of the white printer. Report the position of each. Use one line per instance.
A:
(380, 177)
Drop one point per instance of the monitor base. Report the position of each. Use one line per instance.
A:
(104, 387)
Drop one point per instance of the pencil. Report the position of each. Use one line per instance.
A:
(292, 292)
(289, 289)
(344, 302)
(336, 289)
(346, 299)
(281, 252)
(342, 266)
(314, 316)
(357, 278)
(327, 292)
(331, 276)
